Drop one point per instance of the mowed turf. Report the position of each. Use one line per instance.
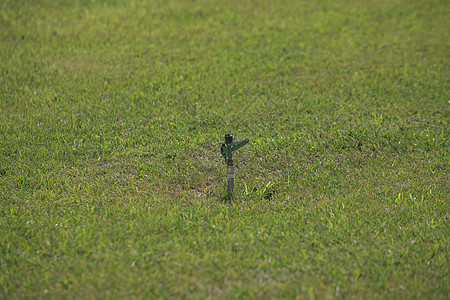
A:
(112, 185)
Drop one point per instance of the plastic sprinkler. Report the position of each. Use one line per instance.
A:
(227, 149)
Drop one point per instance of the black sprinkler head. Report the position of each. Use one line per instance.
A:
(228, 138)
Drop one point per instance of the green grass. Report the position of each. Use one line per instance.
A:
(111, 179)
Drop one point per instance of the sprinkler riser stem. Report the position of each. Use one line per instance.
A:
(230, 179)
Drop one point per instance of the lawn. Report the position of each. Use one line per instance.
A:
(112, 185)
